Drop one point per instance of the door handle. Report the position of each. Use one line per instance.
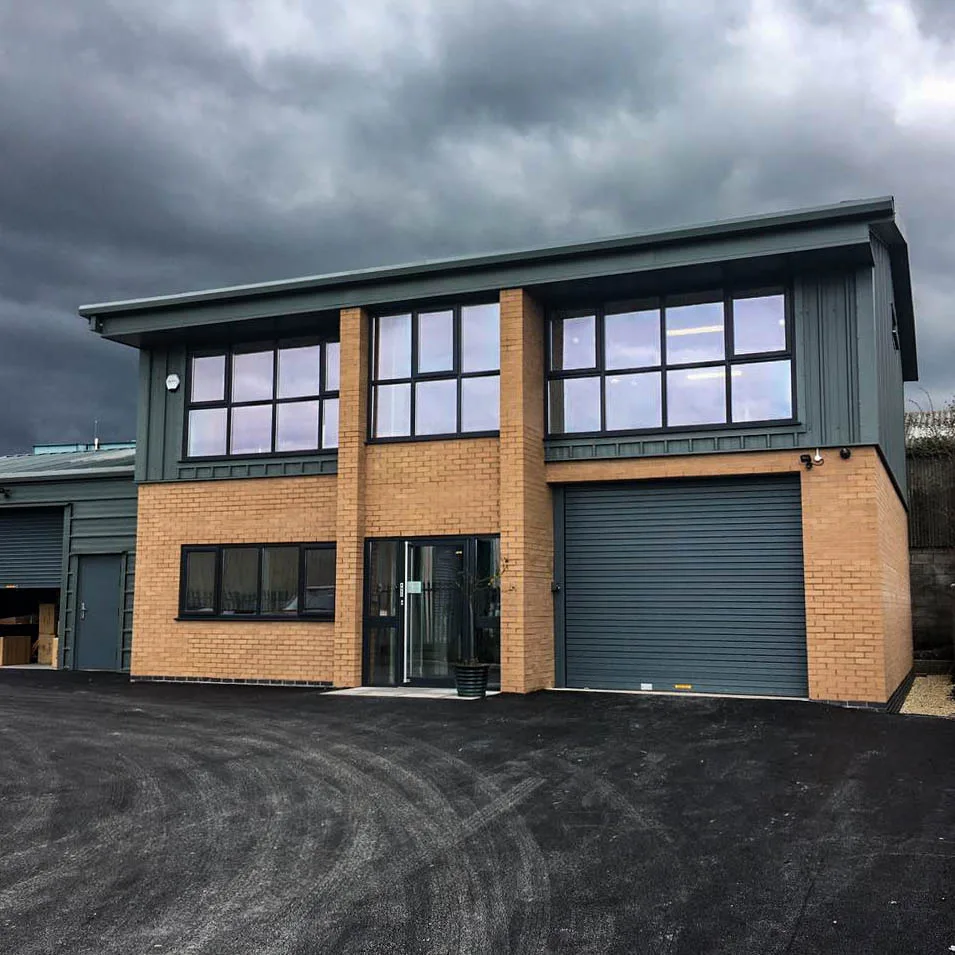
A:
(82, 610)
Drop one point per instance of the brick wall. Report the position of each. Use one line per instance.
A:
(352, 429)
(227, 512)
(896, 588)
(844, 628)
(417, 488)
(527, 537)
(855, 553)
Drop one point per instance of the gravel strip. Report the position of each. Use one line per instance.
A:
(931, 696)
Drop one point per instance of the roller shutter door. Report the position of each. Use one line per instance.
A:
(685, 584)
(31, 547)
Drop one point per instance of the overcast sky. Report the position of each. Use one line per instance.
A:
(150, 147)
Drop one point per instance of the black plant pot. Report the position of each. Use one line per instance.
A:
(471, 680)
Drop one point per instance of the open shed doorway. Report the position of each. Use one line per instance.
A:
(29, 622)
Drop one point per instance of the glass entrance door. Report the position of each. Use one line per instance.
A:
(434, 610)
(429, 603)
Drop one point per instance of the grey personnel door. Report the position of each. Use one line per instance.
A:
(31, 547)
(98, 631)
(685, 584)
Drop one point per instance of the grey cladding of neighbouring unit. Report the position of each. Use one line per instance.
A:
(31, 547)
(689, 583)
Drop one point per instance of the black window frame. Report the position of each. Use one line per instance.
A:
(728, 361)
(455, 374)
(216, 614)
(227, 404)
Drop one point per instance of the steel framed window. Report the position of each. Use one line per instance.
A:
(674, 363)
(435, 373)
(278, 581)
(278, 397)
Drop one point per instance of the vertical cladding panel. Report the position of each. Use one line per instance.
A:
(891, 389)
(867, 357)
(175, 409)
(832, 359)
(159, 397)
(143, 415)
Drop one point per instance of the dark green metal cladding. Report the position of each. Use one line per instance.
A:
(93, 515)
(824, 232)
(161, 422)
(888, 365)
(825, 317)
(683, 583)
(826, 255)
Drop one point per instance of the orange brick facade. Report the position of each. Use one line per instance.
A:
(527, 548)
(276, 510)
(854, 537)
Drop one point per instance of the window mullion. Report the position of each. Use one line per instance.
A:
(414, 344)
(601, 364)
(301, 580)
(260, 553)
(728, 352)
(217, 586)
(457, 341)
(664, 376)
(275, 395)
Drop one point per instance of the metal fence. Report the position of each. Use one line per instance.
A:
(931, 479)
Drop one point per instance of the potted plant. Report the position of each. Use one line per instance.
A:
(470, 674)
(470, 678)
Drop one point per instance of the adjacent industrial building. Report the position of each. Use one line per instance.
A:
(67, 555)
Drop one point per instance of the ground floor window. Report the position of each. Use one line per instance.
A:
(264, 581)
(429, 603)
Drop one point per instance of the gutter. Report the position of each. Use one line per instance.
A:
(23, 478)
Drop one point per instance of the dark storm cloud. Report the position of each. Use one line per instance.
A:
(150, 148)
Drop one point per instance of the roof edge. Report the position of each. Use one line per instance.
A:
(91, 475)
(873, 209)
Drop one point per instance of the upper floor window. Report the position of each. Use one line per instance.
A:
(681, 362)
(263, 399)
(436, 372)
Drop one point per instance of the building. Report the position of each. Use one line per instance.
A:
(68, 541)
(670, 461)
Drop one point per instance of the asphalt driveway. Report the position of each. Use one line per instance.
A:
(150, 819)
